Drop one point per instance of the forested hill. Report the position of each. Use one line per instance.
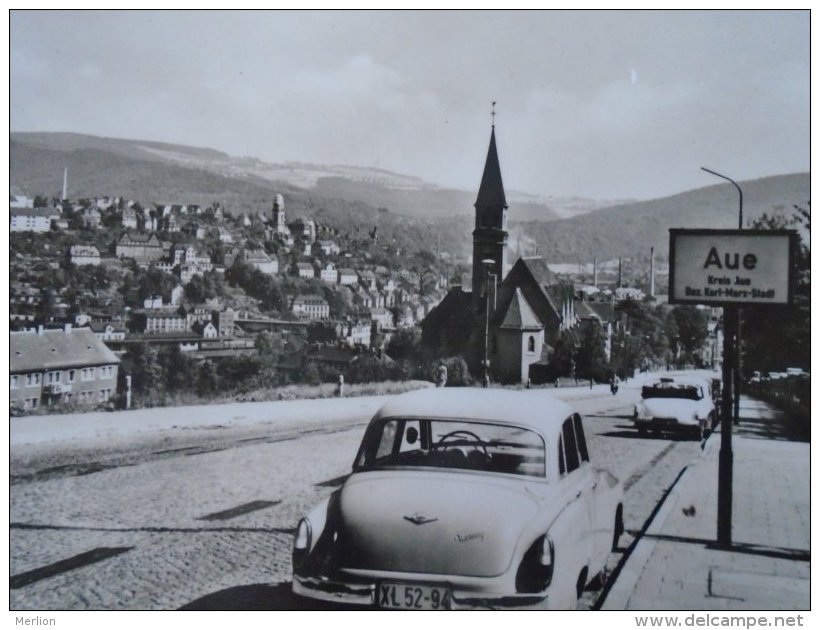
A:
(631, 229)
(355, 198)
(171, 173)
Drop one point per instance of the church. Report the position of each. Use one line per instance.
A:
(507, 325)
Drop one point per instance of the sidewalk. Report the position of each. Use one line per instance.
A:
(676, 564)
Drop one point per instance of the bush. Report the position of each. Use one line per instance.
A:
(790, 395)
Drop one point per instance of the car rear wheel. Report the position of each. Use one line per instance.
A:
(581, 584)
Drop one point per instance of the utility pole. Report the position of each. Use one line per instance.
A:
(488, 264)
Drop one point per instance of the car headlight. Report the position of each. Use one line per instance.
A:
(301, 541)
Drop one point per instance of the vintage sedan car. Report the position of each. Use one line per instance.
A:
(683, 406)
(463, 498)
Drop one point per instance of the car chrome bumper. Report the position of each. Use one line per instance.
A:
(364, 594)
(667, 423)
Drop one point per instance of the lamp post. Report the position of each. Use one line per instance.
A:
(488, 265)
(731, 381)
(737, 318)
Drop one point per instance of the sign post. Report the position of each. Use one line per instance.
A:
(730, 268)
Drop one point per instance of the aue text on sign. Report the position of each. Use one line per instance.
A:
(741, 267)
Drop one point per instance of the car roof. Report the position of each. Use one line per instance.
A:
(534, 409)
(672, 382)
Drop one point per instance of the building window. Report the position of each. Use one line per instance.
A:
(13, 382)
(72, 374)
(32, 379)
(531, 344)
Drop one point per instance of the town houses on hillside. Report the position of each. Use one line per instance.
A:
(144, 273)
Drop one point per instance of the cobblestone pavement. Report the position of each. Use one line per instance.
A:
(207, 520)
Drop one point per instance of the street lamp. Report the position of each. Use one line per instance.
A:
(488, 265)
(736, 318)
(731, 381)
(739, 192)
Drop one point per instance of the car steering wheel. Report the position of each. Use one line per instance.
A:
(478, 444)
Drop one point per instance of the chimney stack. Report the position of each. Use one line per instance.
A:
(595, 272)
(651, 272)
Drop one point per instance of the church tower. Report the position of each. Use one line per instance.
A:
(279, 214)
(490, 233)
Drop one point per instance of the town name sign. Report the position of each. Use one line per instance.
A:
(723, 267)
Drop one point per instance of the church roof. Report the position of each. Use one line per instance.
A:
(539, 270)
(491, 191)
(519, 315)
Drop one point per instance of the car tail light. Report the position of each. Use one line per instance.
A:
(301, 541)
(535, 571)
(547, 553)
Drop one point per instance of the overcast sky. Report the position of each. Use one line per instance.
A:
(602, 104)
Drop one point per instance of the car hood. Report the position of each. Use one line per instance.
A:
(671, 408)
(425, 522)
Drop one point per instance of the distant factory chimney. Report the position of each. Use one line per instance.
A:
(620, 272)
(651, 272)
(595, 272)
(65, 183)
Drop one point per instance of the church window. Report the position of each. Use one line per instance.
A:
(531, 344)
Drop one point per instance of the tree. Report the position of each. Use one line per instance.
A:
(777, 337)
(591, 362)
(177, 367)
(405, 344)
(148, 378)
(207, 378)
(691, 326)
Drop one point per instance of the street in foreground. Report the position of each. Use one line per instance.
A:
(204, 518)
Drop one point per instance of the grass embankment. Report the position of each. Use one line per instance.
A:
(286, 392)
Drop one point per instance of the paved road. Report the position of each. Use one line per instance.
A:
(204, 518)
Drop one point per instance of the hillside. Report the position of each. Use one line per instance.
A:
(629, 230)
(135, 168)
(417, 214)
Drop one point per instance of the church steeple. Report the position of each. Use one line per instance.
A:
(490, 233)
(491, 192)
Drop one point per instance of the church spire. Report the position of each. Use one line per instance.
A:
(490, 233)
(491, 190)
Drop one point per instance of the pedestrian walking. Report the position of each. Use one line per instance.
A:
(441, 375)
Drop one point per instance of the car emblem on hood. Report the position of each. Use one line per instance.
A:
(420, 519)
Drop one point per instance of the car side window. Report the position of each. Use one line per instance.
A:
(562, 469)
(579, 437)
(387, 439)
(410, 438)
(570, 447)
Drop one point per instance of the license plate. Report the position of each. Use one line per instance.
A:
(413, 596)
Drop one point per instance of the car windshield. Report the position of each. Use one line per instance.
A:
(672, 390)
(455, 444)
